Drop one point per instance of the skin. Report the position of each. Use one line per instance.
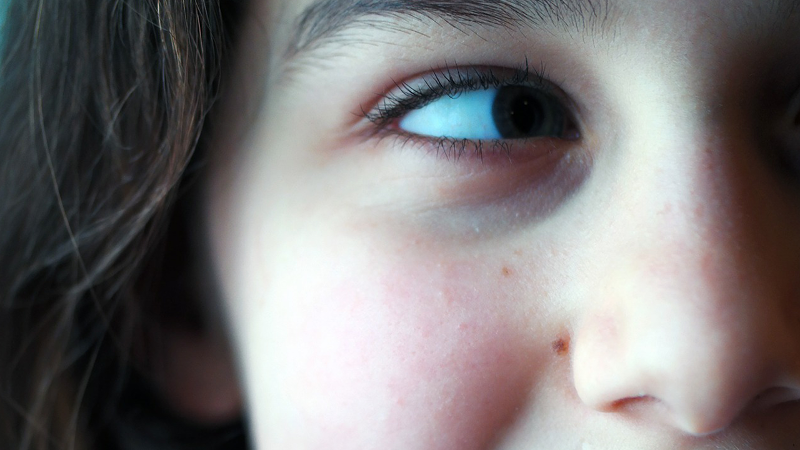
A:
(635, 288)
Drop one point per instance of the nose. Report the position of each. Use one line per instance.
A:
(694, 313)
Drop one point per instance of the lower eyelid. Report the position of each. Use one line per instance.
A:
(484, 153)
(527, 189)
(527, 184)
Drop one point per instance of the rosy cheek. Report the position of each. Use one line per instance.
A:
(414, 353)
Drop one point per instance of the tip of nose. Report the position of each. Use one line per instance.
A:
(705, 422)
(703, 416)
(701, 427)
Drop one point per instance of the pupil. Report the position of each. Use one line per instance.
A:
(521, 112)
(525, 113)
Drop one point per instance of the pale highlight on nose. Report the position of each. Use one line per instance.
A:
(688, 324)
(695, 360)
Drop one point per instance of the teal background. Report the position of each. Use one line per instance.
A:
(3, 8)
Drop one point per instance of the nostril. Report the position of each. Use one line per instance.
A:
(643, 407)
(630, 403)
(773, 397)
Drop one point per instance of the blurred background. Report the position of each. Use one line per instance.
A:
(3, 7)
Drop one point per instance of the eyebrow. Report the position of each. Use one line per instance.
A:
(321, 21)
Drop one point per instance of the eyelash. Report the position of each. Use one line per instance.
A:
(453, 81)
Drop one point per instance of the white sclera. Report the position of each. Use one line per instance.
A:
(467, 116)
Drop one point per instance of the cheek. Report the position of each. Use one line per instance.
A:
(401, 348)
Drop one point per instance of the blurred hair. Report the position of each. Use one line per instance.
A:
(103, 105)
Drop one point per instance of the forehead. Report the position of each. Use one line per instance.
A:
(303, 21)
(300, 33)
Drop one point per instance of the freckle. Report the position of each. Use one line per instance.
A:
(506, 272)
(561, 346)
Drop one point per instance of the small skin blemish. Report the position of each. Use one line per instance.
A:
(506, 272)
(561, 346)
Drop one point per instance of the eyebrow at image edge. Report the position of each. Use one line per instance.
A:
(323, 19)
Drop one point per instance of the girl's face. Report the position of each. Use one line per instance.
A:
(513, 224)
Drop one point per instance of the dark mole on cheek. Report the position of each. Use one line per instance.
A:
(561, 346)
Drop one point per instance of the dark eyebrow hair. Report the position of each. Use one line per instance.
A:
(325, 18)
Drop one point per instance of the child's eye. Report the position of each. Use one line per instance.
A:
(476, 108)
(509, 112)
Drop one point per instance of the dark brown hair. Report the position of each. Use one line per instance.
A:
(103, 105)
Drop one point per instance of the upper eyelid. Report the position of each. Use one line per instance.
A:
(403, 98)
